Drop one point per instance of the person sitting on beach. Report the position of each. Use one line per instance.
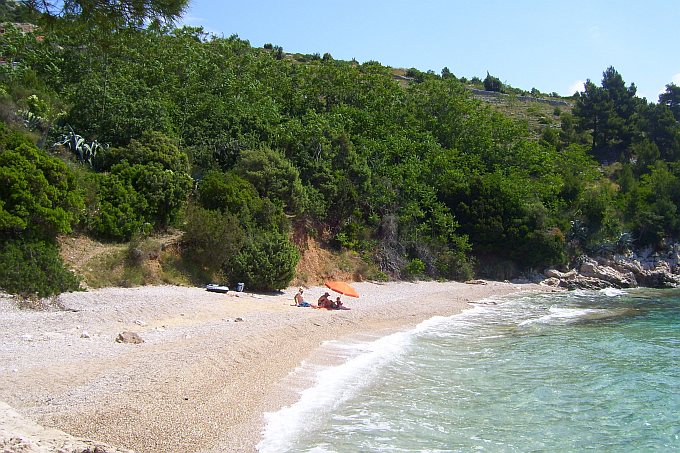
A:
(299, 300)
(337, 304)
(324, 301)
(298, 297)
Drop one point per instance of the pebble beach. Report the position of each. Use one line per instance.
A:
(210, 364)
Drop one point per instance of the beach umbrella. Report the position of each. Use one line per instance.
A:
(343, 288)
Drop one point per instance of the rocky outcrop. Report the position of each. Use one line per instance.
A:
(621, 271)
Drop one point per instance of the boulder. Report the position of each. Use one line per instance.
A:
(659, 277)
(592, 269)
(554, 273)
(129, 337)
(551, 281)
(581, 282)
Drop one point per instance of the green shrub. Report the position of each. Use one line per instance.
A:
(415, 268)
(274, 177)
(266, 262)
(162, 192)
(34, 268)
(152, 147)
(38, 194)
(117, 213)
(211, 238)
(454, 265)
(137, 199)
(228, 192)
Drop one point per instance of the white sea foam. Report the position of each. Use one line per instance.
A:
(560, 315)
(612, 292)
(335, 385)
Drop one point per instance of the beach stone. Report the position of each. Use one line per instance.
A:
(85, 334)
(238, 320)
(551, 281)
(554, 273)
(129, 337)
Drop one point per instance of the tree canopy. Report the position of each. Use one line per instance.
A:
(411, 173)
(115, 13)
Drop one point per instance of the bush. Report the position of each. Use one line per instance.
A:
(38, 194)
(415, 268)
(34, 268)
(136, 199)
(492, 83)
(163, 191)
(211, 237)
(454, 266)
(116, 214)
(274, 177)
(152, 147)
(228, 193)
(267, 262)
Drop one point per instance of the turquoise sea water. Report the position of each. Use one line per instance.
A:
(566, 372)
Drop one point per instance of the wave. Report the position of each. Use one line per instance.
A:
(612, 292)
(335, 385)
(561, 315)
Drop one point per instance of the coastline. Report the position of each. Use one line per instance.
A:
(202, 379)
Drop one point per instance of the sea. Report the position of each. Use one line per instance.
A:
(560, 372)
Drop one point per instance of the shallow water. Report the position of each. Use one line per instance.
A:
(560, 372)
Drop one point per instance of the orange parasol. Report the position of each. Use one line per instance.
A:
(342, 288)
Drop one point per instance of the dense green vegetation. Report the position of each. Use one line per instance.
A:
(241, 147)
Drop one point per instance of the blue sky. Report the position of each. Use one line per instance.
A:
(551, 45)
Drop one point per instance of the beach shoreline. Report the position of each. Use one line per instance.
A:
(210, 366)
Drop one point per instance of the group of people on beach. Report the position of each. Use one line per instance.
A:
(324, 301)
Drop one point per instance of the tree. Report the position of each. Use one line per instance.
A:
(112, 13)
(671, 98)
(592, 110)
(211, 238)
(266, 262)
(446, 73)
(274, 177)
(38, 194)
(492, 83)
(39, 199)
(608, 111)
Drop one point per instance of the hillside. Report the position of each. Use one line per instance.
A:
(190, 158)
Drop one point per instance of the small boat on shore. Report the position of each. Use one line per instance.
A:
(215, 288)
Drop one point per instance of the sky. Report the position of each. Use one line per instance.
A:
(550, 45)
